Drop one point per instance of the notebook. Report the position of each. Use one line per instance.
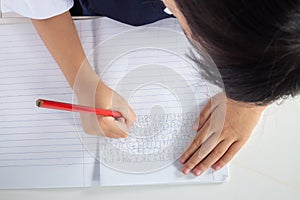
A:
(147, 66)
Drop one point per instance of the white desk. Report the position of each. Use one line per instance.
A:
(266, 168)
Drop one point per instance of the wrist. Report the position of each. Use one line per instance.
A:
(253, 106)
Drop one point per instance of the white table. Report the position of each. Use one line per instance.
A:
(266, 168)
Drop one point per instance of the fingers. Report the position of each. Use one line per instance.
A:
(215, 155)
(207, 147)
(106, 98)
(106, 126)
(122, 106)
(230, 153)
(113, 128)
(217, 158)
(130, 117)
(90, 124)
(199, 139)
(204, 116)
(118, 128)
(200, 154)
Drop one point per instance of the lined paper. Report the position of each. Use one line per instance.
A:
(46, 148)
(38, 147)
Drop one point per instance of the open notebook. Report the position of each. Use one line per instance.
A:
(146, 65)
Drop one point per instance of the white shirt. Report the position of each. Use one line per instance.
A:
(36, 9)
(40, 9)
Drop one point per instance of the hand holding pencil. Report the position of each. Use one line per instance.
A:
(99, 119)
(105, 98)
(68, 53)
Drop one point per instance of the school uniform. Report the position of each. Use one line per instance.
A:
(36, 9)
(133, 12)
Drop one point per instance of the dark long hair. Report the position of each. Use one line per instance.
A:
(255, 45)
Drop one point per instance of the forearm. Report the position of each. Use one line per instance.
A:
(60, 36)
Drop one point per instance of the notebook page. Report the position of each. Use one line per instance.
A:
(32, 148)
(38, 147)
(147, 66)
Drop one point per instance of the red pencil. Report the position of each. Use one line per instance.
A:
(76, 108)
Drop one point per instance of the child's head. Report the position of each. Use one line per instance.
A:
(255, 44)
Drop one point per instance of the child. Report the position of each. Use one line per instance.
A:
(255, 45)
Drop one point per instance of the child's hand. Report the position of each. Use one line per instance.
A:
(106, 98)
(216, 143)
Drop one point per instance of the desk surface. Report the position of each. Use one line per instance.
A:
(266, 168)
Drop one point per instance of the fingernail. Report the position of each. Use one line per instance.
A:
(186, 170)
(182, 160)
(121, 119)
(197, 172)
(217, 168)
